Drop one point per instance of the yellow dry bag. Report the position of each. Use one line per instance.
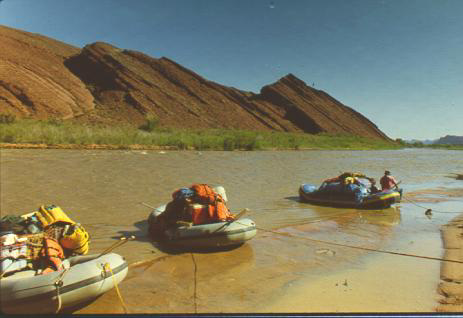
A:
(51, 214)
(76, 239)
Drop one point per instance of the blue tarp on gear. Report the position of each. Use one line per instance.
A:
(183, 194)
(357, 191)
(350, 190)
(333, 187)
(309, 188)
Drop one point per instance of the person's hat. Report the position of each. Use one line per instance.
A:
(387, 172)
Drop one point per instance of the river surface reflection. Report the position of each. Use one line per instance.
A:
(103, 190)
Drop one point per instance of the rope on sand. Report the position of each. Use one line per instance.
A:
(362, 248)
(428, 209)
(359, 247)
(195, 282)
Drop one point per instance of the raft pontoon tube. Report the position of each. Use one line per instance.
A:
(83, 278)
(220, 234)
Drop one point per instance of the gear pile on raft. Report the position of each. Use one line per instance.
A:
(353, 190)
(45, 266)
(198, 217)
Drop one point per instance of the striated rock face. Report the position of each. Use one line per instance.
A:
(310, 110)
(34, 82)
(129, 86)
(42, 78)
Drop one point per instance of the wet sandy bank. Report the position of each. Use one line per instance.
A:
(246, 279)
(451, 286)
(451, 274)
(434, 195)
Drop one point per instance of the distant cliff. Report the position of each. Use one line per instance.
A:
(450, 140)
(42, 78)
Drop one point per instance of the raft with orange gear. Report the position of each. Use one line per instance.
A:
(229, 232)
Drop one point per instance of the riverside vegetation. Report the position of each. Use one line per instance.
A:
(56, 132)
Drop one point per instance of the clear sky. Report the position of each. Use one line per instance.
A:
(398, 62)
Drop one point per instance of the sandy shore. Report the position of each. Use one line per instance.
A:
(451, 274)
(86, 147)
(451, 286)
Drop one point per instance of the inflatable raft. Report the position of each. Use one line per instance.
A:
(82, 279)
(213, 235)
(363, 200)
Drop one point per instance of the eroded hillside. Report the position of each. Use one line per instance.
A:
(41, 78)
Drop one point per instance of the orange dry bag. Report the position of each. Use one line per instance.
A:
(204, 194)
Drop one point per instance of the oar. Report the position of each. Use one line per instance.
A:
(147, 205)
(243, 212)
(121, 241)
(184, 223)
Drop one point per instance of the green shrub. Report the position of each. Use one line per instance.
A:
(8, 138)
(228, 144)
(151, 124)
(55, 121)
(7, 118)
(56, 131)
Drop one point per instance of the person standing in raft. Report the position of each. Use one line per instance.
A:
(387, 181)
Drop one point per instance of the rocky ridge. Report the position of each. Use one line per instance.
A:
(42, 78)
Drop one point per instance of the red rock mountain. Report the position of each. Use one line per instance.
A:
(42, 78)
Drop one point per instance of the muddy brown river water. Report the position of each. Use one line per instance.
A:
(282, 269)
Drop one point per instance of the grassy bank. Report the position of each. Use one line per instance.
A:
(54, 132)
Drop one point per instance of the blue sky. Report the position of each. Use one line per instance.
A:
(398, 62)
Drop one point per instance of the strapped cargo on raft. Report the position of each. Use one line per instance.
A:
(71, 235)
(351, 190)
(43, 266)
(40, 240)
(198, 217)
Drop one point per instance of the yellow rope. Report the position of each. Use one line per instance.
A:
(107, 266)
(58, 284)
(58, 296)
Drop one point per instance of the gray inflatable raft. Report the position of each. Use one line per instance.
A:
(221, 234)
(84, 278)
